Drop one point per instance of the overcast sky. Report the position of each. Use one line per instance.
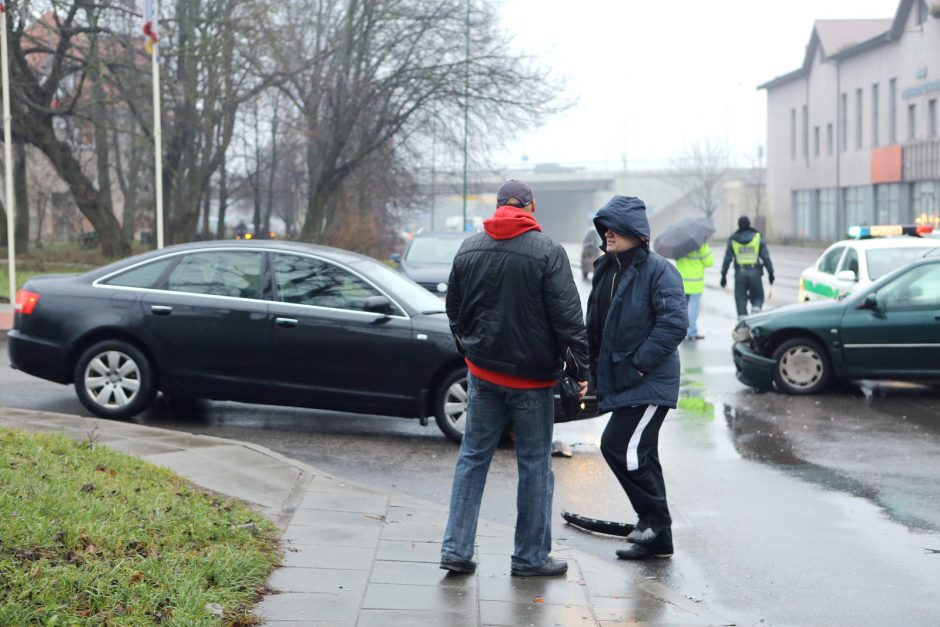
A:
(650, 76)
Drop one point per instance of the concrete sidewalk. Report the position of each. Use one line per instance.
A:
(359, 556)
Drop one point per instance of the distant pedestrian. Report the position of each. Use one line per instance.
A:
(692, 269)
(636, 320)
(515, 311)
(748, 250)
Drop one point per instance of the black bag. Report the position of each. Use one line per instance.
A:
(570, 390)
(570, 400)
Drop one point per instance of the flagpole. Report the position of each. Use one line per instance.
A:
(157, 140)
(8, 153)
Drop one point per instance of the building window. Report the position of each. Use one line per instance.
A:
(925, 202)
(888, 203)
(815, 141)
(893, 111)
(829, 138)
(932, 117)
(805, 132)
(793, 133)
(875, 110)
(912, 121)
(858, 118)
(844, 123)
(828, 218)
(853, 203)
(805, 222)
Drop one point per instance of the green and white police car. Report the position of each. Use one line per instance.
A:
(869, 254)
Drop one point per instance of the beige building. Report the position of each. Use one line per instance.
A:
(852, 135)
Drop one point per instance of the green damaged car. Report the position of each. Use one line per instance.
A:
(888, 330)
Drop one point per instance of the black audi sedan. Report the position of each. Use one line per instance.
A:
(259, 322)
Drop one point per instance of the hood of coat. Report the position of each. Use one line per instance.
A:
(625, 215)
(744, 236)
(509, 222)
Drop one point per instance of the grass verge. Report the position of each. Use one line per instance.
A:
(90, 536)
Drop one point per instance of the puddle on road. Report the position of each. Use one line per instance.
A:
(760, 440)
(764, 439)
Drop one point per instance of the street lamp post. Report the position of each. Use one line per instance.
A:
(466, 112)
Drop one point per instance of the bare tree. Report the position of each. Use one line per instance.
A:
(699, 172)
(49, 43)
(372, 75)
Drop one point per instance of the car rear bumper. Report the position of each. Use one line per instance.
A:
(39, 358)
(752, 368)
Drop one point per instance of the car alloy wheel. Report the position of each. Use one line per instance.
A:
(114, 379)
(451, 406)
(802, 367)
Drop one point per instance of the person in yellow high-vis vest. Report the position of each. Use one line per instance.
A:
(748, 250)
(692, 269)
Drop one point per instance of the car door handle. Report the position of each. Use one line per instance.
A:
(286, 323)
(161, 310)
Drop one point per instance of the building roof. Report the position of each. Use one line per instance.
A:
(841, 39)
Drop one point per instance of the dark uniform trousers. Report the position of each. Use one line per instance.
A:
(630, 445)
(748, 287)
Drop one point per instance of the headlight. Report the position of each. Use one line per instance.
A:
(741, 333)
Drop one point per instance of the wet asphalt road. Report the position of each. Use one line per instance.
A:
(788, 511)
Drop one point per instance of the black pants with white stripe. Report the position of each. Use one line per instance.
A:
(630, 445)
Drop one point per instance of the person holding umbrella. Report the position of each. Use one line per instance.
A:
(686, 242)
(692, 268)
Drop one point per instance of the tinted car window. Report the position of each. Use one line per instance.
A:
(830, 260)
(220, 273)
(141, 276)
(916, 289)
(402, 287)
(308, 281)
(885, 260)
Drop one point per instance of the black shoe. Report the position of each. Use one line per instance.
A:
(644, 552)
(464, 567)
(550, 568)
(646, 535)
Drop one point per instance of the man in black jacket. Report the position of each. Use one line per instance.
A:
(636, 319)
(515, 312)
(747, 248)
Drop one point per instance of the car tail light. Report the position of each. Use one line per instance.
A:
(26, 302)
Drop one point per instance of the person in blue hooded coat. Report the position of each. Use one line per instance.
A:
(636, 319)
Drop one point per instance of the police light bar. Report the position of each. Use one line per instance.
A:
(889, 230)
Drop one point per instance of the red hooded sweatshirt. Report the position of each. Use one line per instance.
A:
(508, 222)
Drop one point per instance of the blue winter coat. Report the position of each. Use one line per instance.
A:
(636, 361)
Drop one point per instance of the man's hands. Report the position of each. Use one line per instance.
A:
(724, 281)
(584, 388)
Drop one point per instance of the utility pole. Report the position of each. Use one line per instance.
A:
(466, 112)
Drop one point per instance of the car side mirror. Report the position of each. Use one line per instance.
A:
(847, 275)
(870, 302)
(378, 304)
(396, 257)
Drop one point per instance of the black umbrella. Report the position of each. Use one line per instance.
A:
(682, 238)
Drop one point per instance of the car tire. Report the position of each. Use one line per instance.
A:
(114, 379)
(450, 405)
(801, 367)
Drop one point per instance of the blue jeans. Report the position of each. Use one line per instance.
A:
(693, 301)
(490, 409)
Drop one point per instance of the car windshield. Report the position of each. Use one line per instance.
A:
(433, 249)
(881, 261)
(401, 286)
